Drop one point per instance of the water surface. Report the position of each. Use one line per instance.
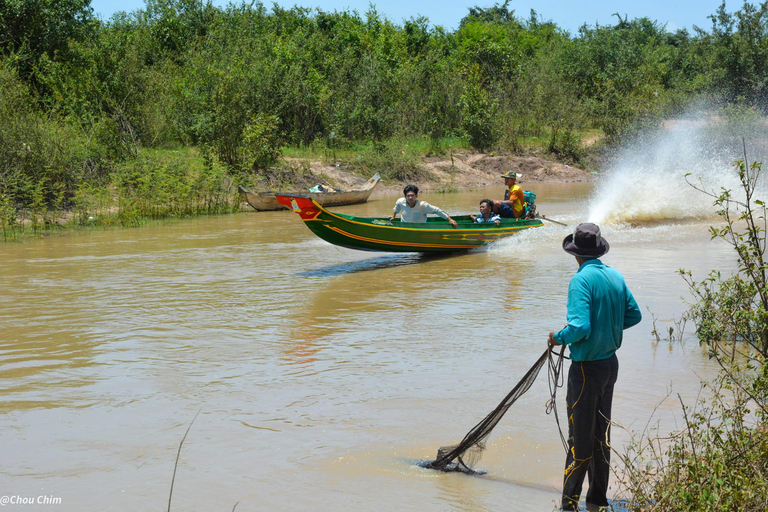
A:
(321, 374)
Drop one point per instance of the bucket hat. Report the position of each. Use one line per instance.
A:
(586, 241)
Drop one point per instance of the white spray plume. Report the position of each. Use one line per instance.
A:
(647, 183)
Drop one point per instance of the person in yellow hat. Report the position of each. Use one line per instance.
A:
(514, 199)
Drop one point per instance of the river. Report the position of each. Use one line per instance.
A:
(320, 374)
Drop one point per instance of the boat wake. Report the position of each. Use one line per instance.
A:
(646, 195)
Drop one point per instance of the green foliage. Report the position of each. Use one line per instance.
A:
(87, 96)
(565, 145)
(261, 142)
(159, 188)
(734, 311)
(735, 54)
(184, 71)
(621, 72)
(716, 462)
(397, 161)
(34, 28)
(8, 219)
(42, 159)
(477, 112)
(350, 154)
(175, 25)
(496, 14)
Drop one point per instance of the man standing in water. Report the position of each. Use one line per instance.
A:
(600, 307)
(414, 210)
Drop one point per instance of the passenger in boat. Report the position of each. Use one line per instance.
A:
(414, 210)
(600, 307)
(513, 204)
(486, 213)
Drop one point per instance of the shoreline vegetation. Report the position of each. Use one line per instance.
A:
(170, 184)
(160, 113)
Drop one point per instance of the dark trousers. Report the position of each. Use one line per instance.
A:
(506, 211)
(589, 397)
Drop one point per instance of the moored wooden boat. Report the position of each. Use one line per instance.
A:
(381, 234)
(266, 200)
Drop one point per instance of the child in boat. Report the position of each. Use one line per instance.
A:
(486, 213)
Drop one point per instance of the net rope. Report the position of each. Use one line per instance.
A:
(465, 455)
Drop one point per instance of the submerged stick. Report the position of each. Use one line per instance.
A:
(178, 454)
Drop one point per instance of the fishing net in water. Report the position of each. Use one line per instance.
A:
(464, 456)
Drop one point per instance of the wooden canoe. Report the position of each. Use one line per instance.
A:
(267, 201)
(381, 234)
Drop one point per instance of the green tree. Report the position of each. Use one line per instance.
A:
(495, 14)
(619, 73)
(31, 29)
(734, 55)
(42, 158)
(261, 143)
(478, 110)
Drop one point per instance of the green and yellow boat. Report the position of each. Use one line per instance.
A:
(382, 234)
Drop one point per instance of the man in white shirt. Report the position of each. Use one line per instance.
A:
(414, 210)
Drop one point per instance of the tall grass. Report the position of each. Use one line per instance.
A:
(160, 184)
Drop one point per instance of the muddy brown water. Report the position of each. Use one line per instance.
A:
(321, 374)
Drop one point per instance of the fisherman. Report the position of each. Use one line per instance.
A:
(414, 210)
(486, 213)
(513, 204)
(600, 307)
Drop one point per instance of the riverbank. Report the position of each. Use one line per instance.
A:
(450, 173)
(180, 183)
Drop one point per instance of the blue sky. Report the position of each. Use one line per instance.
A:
(568, 14)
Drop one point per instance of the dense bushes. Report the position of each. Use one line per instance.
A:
(42, 158)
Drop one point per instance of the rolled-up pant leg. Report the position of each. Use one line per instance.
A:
(589, 398)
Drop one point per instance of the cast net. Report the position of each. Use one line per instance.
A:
(465, 455)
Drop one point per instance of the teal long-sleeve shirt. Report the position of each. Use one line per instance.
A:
(600, 307)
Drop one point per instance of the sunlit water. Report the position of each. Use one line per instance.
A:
(321, 374)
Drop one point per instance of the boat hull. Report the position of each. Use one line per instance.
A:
(266, 201)
(381, 234)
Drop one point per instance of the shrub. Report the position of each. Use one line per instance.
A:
(261, 144)
(41, 157)
(478, 111)
(566, 145)
(394, 162)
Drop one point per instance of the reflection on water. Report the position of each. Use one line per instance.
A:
(320, 371)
